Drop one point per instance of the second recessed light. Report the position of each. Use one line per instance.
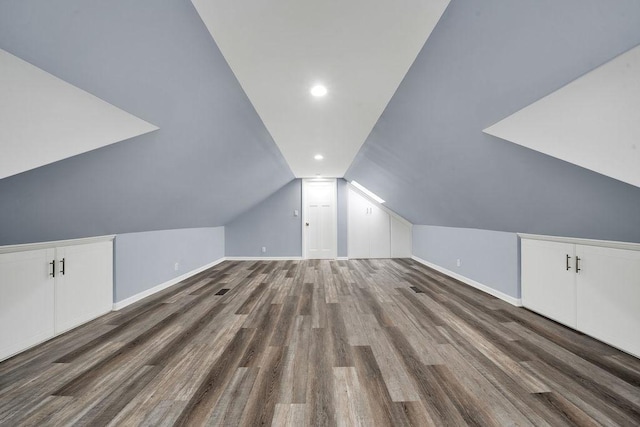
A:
(318, 90)
(318, 157)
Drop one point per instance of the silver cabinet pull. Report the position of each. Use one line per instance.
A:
(568, 266)
(53, 268)
(577, 264)
(63, 264)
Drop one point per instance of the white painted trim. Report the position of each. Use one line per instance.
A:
(137, 297)
(54, 244)
(578, 241)
(484, 288)
(258, 258)
(342, 258)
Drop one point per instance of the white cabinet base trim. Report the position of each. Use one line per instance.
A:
(484, 288)
(263, 258)
(137, 297)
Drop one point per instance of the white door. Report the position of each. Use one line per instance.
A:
(26, 299)
(549, 280)
(380, 229)
(84, 284)
(358, 240)
(400, 238)
(608, 294)
(320, 218)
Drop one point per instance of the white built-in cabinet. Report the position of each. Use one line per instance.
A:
(591, 286)
(374, 232)
(47, 289)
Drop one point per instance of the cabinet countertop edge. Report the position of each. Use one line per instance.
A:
(580, 241)
(55, 244)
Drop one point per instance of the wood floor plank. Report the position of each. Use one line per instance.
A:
(320, 403)
(264, 394)
(201, 404)
(565, 409)
(601, 411)
(352, 408)
(383, 411)
(293, 388)
(321, 343)
(290, 415)
(339, 341)
(595, 377)
(229, 408)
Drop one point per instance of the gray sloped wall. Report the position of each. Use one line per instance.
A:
(211, 159)
(427, 155)
(271, 224)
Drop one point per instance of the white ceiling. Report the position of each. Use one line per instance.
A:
(360, 49)
(593, 122)
(44, 119)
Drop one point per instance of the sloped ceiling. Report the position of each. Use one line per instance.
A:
(593, 122)
(359, 49)
(44, 119)
(428, 157)
(211, 159)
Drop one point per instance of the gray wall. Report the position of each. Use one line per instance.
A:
(211, 159)
(271, 223)
(144, 260)
(488, 257)
(427, 155)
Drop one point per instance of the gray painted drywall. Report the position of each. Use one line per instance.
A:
(211, 159)
(147, 259)
(427, 155)
(271, 224)
(343, 219)
(488, 257)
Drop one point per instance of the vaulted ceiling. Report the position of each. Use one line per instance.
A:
(226, 84)
(359, 50)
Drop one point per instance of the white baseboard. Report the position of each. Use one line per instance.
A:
(263, 258)
(342, 258)
(484, 288)
(137, 297)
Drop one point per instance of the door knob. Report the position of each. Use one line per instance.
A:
(306, 223)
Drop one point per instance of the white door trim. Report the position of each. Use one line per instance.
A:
(305, 183)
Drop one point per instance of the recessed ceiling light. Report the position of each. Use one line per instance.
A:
(318, 90)
(318, 157)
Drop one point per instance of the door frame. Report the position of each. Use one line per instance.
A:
(334, 214)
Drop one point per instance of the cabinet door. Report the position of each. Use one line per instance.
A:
(26, 300)
(548, 287)
(400, 239)
(380, 233)
(608, 294)
(358, 239)
(84, 290)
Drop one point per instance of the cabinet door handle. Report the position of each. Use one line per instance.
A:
(63, 264)
(577, 264)
(568, 266)
(53, 268)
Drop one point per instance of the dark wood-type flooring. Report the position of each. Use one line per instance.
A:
(377, 342)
